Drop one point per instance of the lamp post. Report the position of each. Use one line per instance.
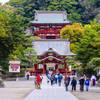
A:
(1, 82)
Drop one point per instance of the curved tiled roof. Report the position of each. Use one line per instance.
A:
(50, 17)
(62, 47)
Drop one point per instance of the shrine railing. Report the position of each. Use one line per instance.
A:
(47, 32)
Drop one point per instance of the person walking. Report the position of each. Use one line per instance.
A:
(38, 80)
(35, 82)
(52, 79)
(56, 77)
(87, 83)
(41, 78)
(81, 82)
(68, 77)
(59, 79)
(66, 82)
(27, 75)
(93, 80)
(73, 83)
(48, 78)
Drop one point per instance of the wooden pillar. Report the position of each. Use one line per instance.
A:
(56, 66)
(36, 68)
(66, 66)
(44, 71)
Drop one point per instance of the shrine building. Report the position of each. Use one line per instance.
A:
(51, 50)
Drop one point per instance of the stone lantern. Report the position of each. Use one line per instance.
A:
(1, 82)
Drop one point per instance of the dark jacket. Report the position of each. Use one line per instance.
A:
(81, 81)
(74, 82)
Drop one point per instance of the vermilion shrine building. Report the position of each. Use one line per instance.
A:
(51, 50)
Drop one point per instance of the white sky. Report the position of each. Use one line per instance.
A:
(3, 1)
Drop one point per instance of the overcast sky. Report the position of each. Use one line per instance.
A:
(3, 1)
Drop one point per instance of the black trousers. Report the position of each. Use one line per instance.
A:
(74, 87)
(59, 82)
(27, 77)
(51, 82)
(81, 87)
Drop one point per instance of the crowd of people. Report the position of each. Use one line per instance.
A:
(83, 81)
(58, 78)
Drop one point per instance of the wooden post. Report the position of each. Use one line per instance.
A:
(36, 68)
(44, 71)
(66, 68)
(56, 66)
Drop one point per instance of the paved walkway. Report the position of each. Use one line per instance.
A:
(49, 92)
(16, 90)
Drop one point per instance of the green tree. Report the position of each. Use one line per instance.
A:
(11, 35)
(89, 45)
(73, 32)
(94, 63)
(75, 64)
(27, 8)
(86, 41)
(30, 57)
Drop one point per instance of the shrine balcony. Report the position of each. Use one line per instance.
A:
(47, 31)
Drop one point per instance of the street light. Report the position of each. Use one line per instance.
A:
(1, 82)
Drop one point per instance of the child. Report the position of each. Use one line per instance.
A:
(87, 83)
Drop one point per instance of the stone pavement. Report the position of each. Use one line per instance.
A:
(16, 90)
(48, 92)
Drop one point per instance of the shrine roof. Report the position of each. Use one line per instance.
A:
(52, 57)
(61, 46)
(50, 17)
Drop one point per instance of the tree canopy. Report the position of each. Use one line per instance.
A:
(86, 40)
(77, 10)
(12, 36)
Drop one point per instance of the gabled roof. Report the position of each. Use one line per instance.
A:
(49, 51)
(50, 17)
(52, 57)
(61, 46)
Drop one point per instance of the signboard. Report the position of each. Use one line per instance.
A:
(14, 66)
(50, 64)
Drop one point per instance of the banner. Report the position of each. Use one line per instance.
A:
(14, 66)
